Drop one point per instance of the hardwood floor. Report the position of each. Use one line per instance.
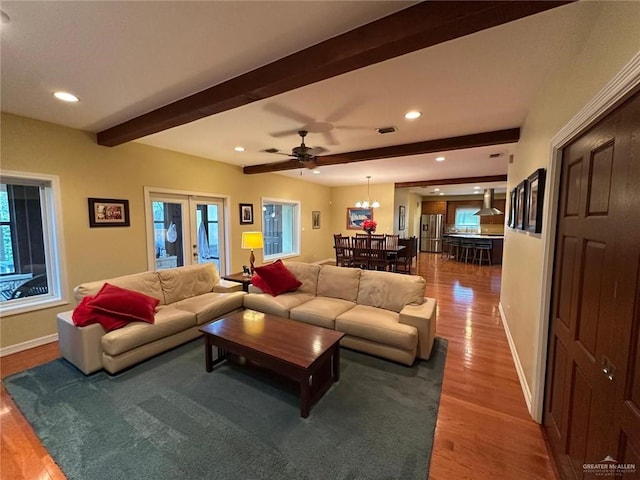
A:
(484, 430)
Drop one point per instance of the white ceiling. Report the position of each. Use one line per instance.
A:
(126, 58)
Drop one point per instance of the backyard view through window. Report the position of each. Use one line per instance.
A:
(280, 228)
(467, 220)
(27, 269)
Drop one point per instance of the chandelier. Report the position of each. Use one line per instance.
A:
(367, 203)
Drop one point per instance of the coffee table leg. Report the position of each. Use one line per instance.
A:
(305, 396)
(335, 363)
(208, 354)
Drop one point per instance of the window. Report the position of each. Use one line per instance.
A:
(467, 220)
(30, 276)
(280, 228)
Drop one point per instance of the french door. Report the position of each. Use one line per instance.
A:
(185, 230)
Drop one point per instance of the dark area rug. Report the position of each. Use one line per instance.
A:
(168, 419)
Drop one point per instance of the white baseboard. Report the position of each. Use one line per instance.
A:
(36, 342)
(516, 360)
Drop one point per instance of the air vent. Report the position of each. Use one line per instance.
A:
(271, 150)
(495, 155)
(384, 130)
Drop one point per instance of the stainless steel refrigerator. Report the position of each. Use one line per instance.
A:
(431, 228)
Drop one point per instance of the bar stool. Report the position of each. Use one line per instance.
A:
(484, 246)
(455, 248)
(468, 246)
(446, 248)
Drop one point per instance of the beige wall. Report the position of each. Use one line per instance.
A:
(89, 170)
(608, 45)
(344, 197)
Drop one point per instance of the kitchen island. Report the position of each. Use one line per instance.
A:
(496, 240)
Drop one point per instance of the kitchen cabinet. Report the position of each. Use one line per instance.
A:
(434, 208)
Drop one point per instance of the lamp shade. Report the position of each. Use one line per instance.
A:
(252, 240)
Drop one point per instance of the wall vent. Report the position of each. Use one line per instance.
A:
(495, 155)
(272, 150)
(384, 130)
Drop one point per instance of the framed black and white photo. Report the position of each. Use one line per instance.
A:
(521, 205)
(401, 218)
(246, 214)
(535, 196)
(513, 208)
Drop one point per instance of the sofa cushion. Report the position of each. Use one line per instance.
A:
(377, 325)
(278, 306)
(186, 282)
(339, 282)
(307, 273)
(211, 306)
(321, 311)
(169, 321)
(147, 283)
(391, 291)
(278, 278)
(126, 304)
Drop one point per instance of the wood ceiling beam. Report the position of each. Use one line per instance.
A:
(452, 181)
(414, 28)
(497, 137)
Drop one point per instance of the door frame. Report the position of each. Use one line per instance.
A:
(148, 215)
(614, 93)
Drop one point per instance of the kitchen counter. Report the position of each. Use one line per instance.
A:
(475, 235)
(497, 242)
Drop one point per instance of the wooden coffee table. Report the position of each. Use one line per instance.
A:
(306, 354)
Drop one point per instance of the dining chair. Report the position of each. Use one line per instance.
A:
(378, 254)
(360, 252)
(342, 246)
(392, 242)
(405, 256)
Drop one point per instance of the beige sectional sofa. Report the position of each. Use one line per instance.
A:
(189, 297)
(381, 313)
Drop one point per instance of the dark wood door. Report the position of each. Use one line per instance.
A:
(592, 397)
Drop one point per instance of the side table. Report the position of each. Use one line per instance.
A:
(240, 278)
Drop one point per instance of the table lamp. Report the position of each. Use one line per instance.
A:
(252, 240)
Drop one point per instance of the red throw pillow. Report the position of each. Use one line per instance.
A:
(125, 304)
(278, 278)
(257, 281)
(83, 314)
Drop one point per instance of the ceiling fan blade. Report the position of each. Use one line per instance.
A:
(317, 150)
(329, 138)
(310, 163)
(284, 133)
(342, 111)
(283, 111)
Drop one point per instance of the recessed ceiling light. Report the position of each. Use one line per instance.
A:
(66, 97)
(476, 187)
(412, 115)
(239, 149)
(441, 193)
(436, 189)
(440, 159)
(315, 172)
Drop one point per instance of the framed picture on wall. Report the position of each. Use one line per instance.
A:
(315, 219)
(535, 195)
(108, 212)
(401, 218)
(513, 208)
(521, 204)
(246, 214)
(355, 217)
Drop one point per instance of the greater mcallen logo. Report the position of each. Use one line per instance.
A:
(609, 467)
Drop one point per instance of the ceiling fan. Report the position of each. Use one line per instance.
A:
(303, 154)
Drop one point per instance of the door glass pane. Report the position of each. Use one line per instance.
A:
(208, 232)
(167, 234)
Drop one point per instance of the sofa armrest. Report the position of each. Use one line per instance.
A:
(423, 318)
(254, 289)
(82, 346)
(227, 286)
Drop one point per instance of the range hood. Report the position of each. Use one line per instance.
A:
(487, 204)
